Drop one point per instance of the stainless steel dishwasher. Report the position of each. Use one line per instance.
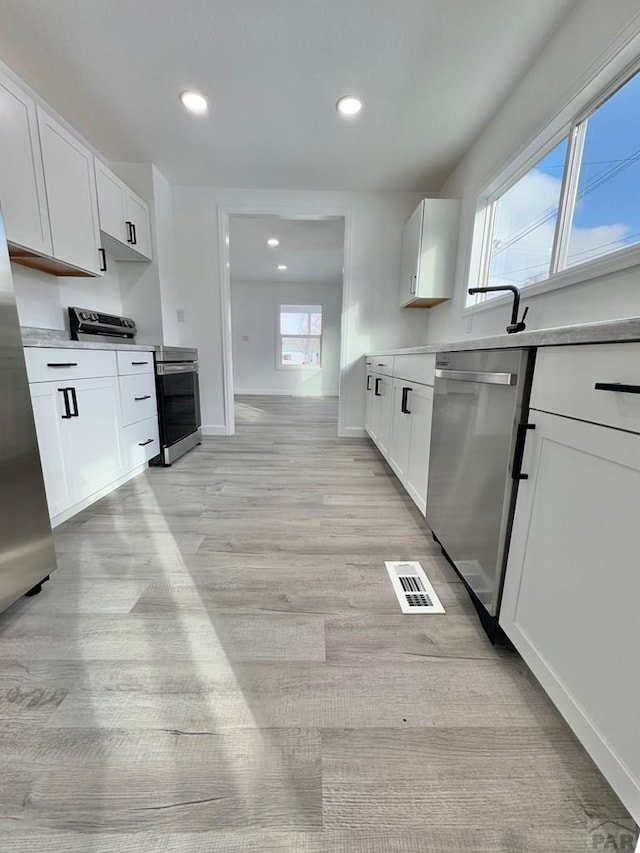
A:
(480, 412)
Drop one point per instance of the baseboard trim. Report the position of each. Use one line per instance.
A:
(66, 514)
(261, 392)
(214, 429)
(353, 432)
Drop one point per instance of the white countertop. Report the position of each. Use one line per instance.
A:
(611, 331)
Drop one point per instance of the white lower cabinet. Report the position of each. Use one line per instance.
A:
(570, 603)
(48, 409)
(410, 437)
(94, 431)
(398, 417)
(78, 429)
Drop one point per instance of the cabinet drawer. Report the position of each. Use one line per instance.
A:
(382, 364)
(415, 368)
(47, 364)
(140, 443)
(134, 362)
(137, 398)
(565, 378)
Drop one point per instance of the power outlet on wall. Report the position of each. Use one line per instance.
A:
(180, 315)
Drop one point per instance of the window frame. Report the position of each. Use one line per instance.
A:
(280, 336)
(569, 124)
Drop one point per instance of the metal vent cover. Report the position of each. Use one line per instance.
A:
(413, 588)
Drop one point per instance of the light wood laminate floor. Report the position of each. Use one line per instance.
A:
(220, 664)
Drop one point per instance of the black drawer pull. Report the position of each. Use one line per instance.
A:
(144, 443)
(369, 382)
(129, 231)
(62, 364)
(103, 260)
(138, 363)
(146, 397)
(381, 364)
(403, 405)
(375, 390)
(617, 386)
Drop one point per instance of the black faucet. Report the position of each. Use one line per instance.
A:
(515, 325)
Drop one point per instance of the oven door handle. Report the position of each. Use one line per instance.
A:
(184, 367)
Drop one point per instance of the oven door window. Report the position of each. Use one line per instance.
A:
(179, 405)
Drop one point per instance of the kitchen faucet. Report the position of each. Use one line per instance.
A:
(515, 325)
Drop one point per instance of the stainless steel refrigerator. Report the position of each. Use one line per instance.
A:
(27, 554)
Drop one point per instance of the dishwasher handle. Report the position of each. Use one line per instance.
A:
(482, 376)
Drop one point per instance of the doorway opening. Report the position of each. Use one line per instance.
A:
(286, 303)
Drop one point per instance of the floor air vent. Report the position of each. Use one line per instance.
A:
(412, 588)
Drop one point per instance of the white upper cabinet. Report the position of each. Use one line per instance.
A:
(429, 249)
(124, 218)
(112, 204)
(22, 193)
(71, 196)
(139, 227)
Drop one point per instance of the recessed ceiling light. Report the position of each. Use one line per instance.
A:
(194, 102)
(273, 242)
(282, 266)
(349, 106)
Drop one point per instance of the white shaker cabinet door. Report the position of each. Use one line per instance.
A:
(71, 195)
(138, 218)
(22, 193)
(93, 436)
(400, 429)
(48, 411)
(112, 203)
(572, 587)
(420, 406)
(410, 258)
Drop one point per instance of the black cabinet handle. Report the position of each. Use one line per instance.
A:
(617, 386)
(129, 231)
(62, 364)
(146, 397)
(144, 443)
(403, 405)
(381, 364)
(138, 363)
(103, 260)
(134, 236)
(516, 471)
(369, 382)
(67, 410)
(74, 400)
(375, 391)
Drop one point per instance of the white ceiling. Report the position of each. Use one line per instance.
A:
(312, 250)
(430, 72)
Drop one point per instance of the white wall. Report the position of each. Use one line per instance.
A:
(580, 46)
(43, 299)
(254, 313)
(372, 261)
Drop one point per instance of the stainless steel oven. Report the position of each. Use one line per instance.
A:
(178, 395)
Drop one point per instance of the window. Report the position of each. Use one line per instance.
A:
(300, 336)
(577, 203)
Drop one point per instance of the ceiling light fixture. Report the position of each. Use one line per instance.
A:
(282, 266)
(349, 106)
(194, 102)
(273, 242)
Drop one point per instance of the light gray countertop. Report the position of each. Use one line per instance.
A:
(58, 338)
(611, 331)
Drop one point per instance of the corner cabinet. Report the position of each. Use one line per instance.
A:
(572, 585)
(124, 218)
(429, 250)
